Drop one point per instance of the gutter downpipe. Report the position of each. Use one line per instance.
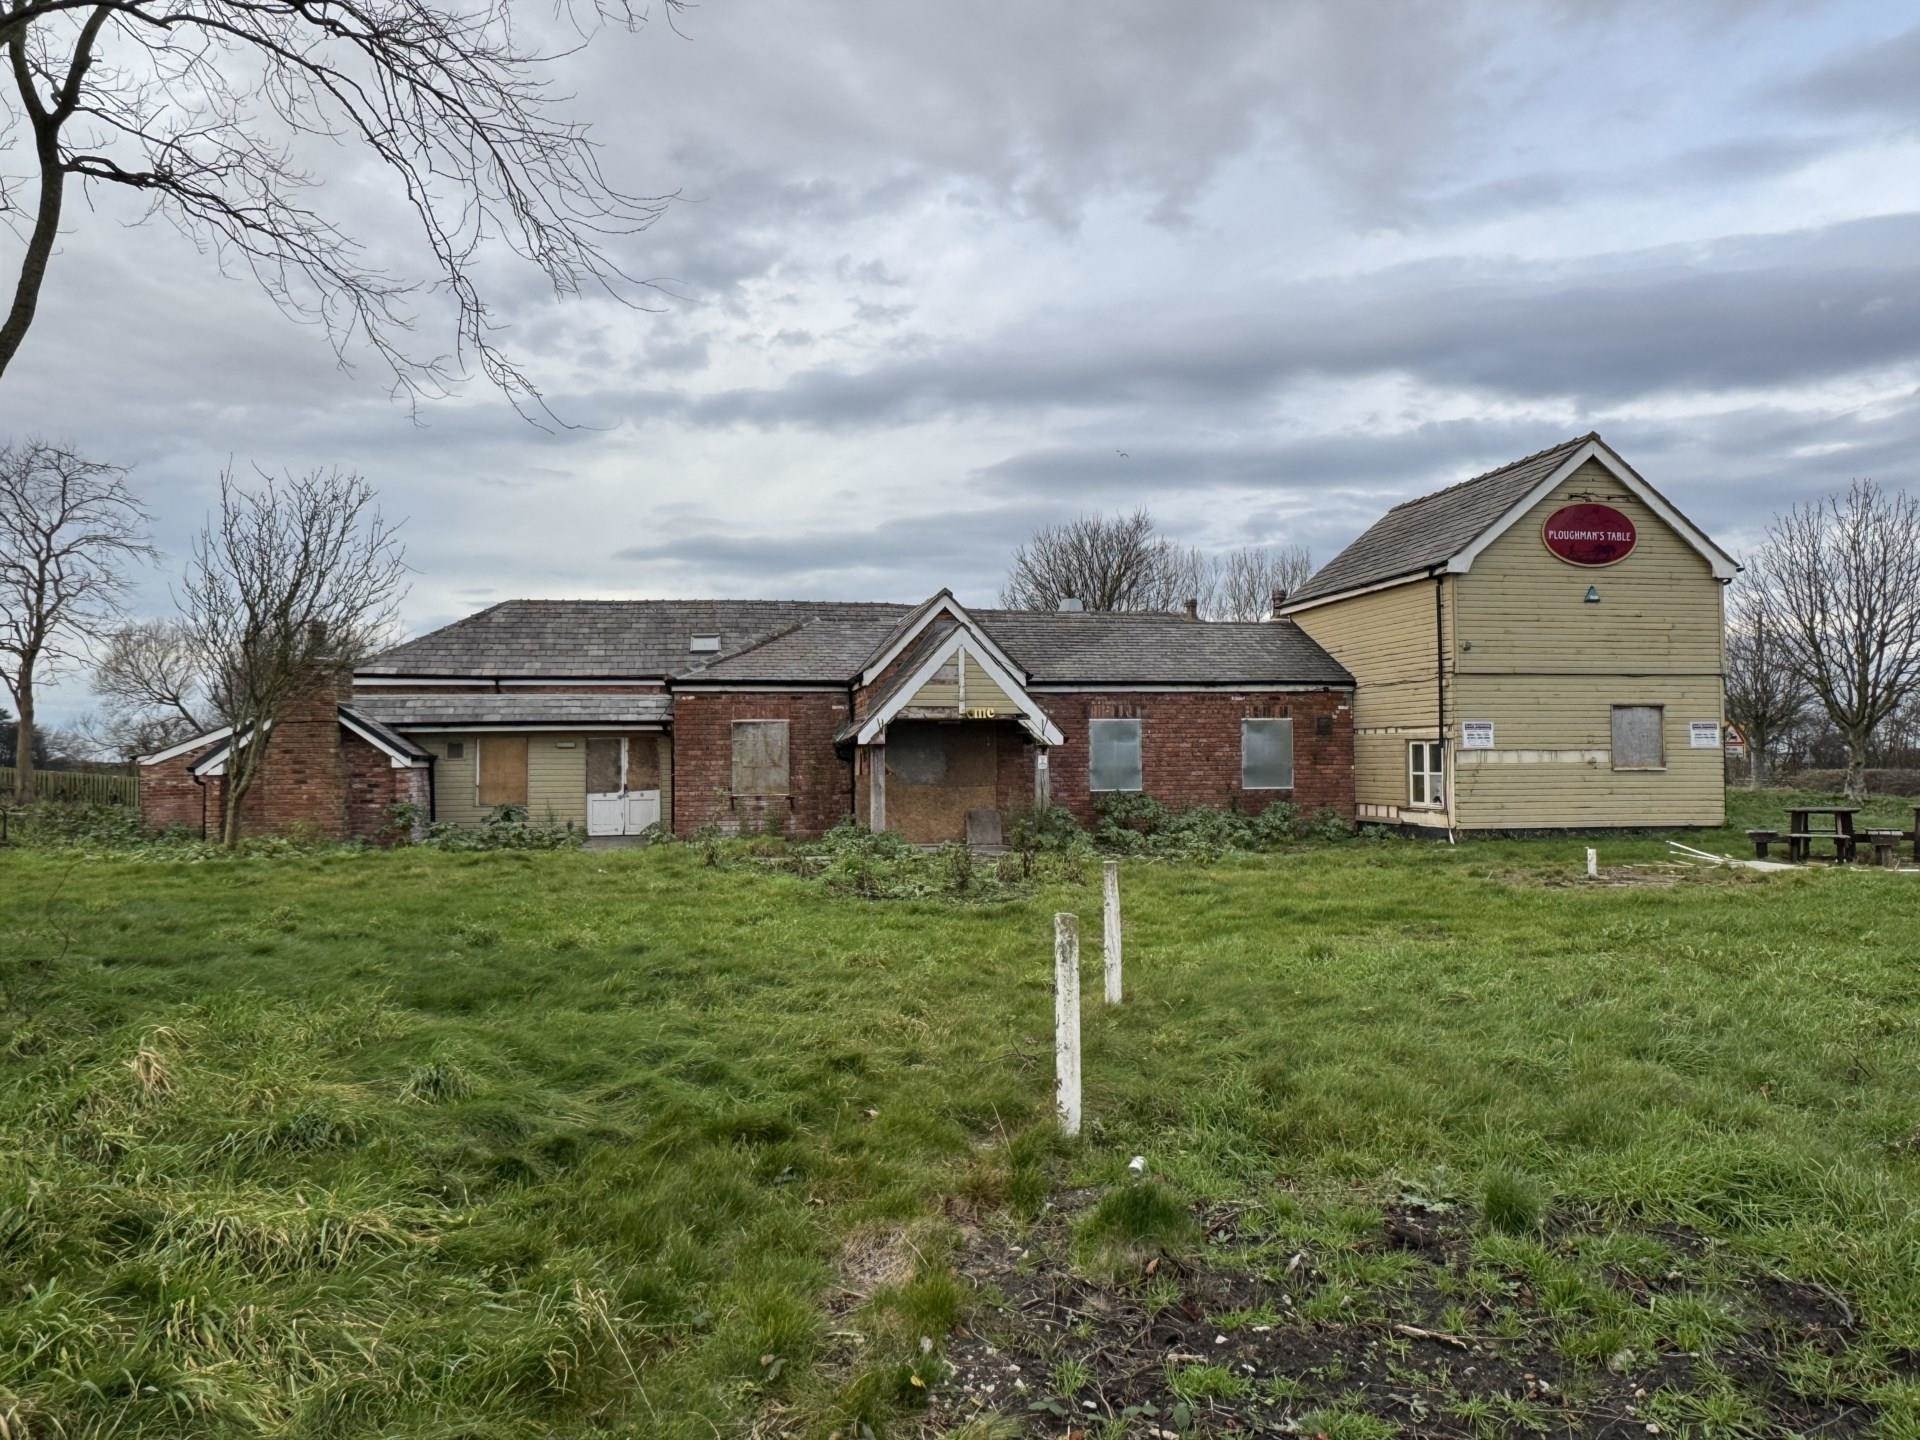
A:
(1440, 695)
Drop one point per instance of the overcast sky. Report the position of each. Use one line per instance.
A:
(937, 266)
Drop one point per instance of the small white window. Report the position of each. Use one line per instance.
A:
(1426, 775)
(1266, 754)
(1114, 754)
(1637, 737)
(704, 644)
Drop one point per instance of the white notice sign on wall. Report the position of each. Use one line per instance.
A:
(1476, 735)
(1703, 734)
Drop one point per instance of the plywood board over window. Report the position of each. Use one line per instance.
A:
(502, 770)
(1637, 738)
(760, 757)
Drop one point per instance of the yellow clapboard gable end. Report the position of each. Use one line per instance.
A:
(960, 687)
(1521, 655)
(1545, 666)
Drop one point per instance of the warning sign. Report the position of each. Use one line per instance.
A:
(1703, 734)
(1476, 735)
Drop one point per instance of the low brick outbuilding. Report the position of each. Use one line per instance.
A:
(933, 721)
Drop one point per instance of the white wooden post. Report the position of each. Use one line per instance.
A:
(1066, 1020)
(1593, 864)
(1112, 930)
(1042, 780)
(876, 788)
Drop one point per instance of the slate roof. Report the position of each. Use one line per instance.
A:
(830, 643)
(1419, 534)
(392, 739)
(602, 638)
(412, 711)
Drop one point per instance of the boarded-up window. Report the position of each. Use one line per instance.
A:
(760, 757)
(1115, 747)
(503, 770)
(1266, 754)
(1637, 743)
(643, 762)
(603, 764)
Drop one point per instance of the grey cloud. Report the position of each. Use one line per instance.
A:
(1731, 162)
(1877, 79)
(1745, 311)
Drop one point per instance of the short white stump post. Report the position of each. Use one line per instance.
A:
(1066, 1020)
(1111, 937)
(1593, 864)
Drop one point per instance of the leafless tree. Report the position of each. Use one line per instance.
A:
(1766, 697)
(69, 528)
(290, 582)
(1114, 562)
(209, 110)
(153, 687)
(1241, 583)
(1840, 587)
(1120, 562)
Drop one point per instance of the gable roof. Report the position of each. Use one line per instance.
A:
(1449, 527)
(804, 642)
(929, 651)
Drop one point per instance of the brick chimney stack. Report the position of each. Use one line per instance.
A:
(1193, 609)
(1279, 599)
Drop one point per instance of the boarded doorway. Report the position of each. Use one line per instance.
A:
(937, 774)
(623, 784)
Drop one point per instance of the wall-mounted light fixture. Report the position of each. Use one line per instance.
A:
(1593, 594)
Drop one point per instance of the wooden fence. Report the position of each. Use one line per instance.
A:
(78, 786)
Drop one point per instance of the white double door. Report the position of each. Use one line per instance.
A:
(616, 769)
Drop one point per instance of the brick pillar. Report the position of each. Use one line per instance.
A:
(303, 785)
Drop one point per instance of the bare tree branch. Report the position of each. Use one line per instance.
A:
(1839, 586)
(1118, 562)
(69, 527)
(290, 583)
(202, 106)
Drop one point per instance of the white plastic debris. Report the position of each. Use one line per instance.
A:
(1138, 1165)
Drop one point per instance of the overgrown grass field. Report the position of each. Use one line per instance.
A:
(572, 1143)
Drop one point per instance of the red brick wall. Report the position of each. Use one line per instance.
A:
(317, 778)
(374, 787)
(1190, 747)
(821, 783)
(170, 798)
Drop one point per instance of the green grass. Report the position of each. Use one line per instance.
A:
(485, 1144)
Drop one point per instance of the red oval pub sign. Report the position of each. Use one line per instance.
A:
(1589, 534)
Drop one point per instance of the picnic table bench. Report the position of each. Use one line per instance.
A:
(1803, 833)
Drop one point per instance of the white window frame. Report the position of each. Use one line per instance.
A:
(1660, 730)
(1292, 766)
(1423, 756)
(1140, 758)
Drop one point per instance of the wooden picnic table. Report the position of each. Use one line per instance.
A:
(1802, 832)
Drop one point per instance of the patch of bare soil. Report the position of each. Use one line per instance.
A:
(1153, 1356)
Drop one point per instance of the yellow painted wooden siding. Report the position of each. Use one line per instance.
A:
(943, 690)
(556, 779)
(1552, 763)
(982, 693)
(1388, 639)
(1522, 611)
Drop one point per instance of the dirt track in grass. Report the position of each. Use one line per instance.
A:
(1218, 1343)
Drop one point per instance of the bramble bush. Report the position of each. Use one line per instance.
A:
(506, 827)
